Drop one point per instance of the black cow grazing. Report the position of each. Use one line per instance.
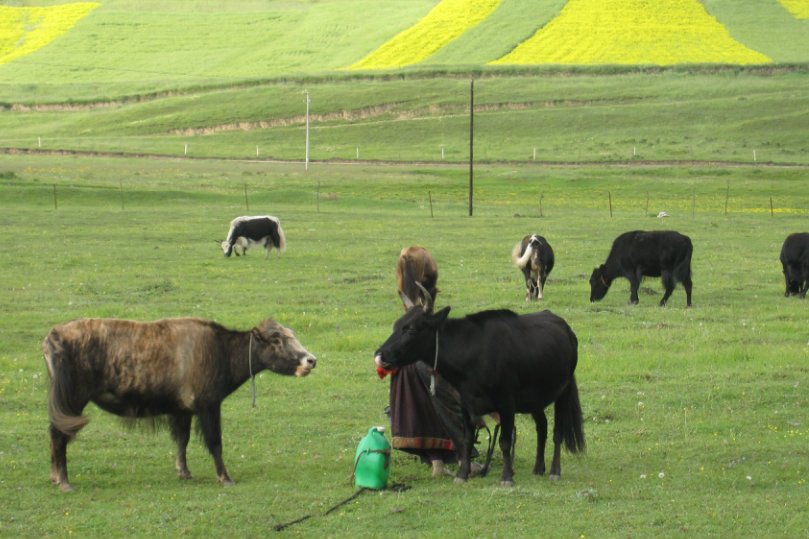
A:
(500, 363)
(416, 265)
(534, 256)
(264, 230)
(665, 254)
(179, 367)
(795, 261)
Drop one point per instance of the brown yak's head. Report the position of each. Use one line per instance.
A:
(276, 348)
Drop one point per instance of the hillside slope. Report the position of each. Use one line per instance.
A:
(131, 47)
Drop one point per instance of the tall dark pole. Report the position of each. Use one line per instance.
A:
(471, 139)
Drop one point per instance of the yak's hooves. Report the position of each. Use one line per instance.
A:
(554, 477)
(228, 482)
(65, 487)
(507, 484)
(459, 480)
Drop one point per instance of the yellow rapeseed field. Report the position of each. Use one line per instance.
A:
(445, 22)
(26, 29)
(798, 8)
(632, 32)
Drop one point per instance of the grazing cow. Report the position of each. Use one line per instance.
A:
(416, 265)
(264, 230)
(179, 367)
(795, 261)
(501, 363)
(665, 254)
(534, 256)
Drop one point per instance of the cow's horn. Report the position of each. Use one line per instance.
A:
(408, 303)
(427, 297)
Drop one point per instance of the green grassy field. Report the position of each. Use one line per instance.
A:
(128, 144)
(693, 416)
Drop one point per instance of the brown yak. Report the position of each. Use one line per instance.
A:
(177, 367)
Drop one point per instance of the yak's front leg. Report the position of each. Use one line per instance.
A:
(465, 452)
(180, 425)
(211, 425)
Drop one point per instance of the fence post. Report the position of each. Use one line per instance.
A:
(609, 194)
(727, 196)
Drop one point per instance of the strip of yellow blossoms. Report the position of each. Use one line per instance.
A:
(26, 29)
(798, 8)
(445, 22)
(632, 32)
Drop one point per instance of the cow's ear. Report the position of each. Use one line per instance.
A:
(256, 333)
(438, 318)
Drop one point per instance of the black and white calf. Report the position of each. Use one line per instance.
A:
(795, 261)
(264, 230)
(534, 256)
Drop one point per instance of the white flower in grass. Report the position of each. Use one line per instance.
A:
(661, 475)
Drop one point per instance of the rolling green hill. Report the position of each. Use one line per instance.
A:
(211, 79)
(134, 46)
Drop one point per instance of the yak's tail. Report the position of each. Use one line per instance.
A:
(279, 239)
(64, 413)
(520, 261)
(568, 417)
(682, 271)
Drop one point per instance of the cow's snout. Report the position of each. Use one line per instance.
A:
(378, 361)
(306, 365)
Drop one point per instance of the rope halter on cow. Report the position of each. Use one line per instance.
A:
(435, 366)
(250, 366)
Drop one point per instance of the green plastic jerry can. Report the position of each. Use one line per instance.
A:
(372, 460)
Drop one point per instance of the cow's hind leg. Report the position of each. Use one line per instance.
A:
(558, 422)
(687, 284)
(506, 446)
(210, 422)
(541, 423)
(59, 441)
(180, 425)
(529, 284)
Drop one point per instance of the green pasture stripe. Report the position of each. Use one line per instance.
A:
(764, 26)
(448, 20)
(511, 23)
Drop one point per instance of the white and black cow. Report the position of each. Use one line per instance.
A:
(534, 256)
(245, 231)
(795, 261)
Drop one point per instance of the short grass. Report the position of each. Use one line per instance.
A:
(695, 418)
(732, 116)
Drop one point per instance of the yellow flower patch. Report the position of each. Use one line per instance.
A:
(798, 8)
(445, 22)
(26, 29)
(632, 32)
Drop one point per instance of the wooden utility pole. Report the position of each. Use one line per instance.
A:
(471, 140)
